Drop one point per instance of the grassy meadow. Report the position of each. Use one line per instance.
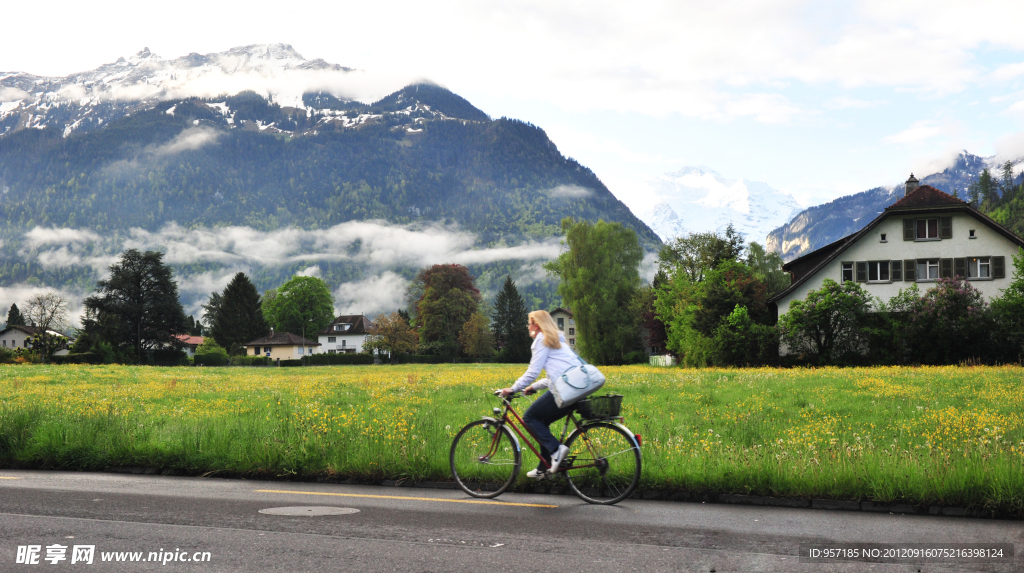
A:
(944, 435)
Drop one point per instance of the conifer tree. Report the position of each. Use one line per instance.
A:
(239, 315)
(14, 317)
(509, 324)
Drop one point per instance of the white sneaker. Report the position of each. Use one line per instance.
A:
(535, 474)
(558, 457)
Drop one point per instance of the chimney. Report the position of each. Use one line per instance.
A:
(911, 184)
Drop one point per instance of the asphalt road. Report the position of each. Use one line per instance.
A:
(416, 530)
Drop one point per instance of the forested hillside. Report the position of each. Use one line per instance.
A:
(421, 156)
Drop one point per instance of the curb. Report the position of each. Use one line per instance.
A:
(658, 495)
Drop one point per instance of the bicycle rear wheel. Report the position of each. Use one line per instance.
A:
(485, 458)
(605, 467)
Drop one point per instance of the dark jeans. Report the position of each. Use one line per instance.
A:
(538, 417)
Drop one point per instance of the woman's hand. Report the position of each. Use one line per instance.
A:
(505, 392)
(529, 390)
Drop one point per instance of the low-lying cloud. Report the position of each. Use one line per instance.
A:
(570, 192)
(373, 295)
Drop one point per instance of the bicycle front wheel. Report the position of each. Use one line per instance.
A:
(605, 467)
(485, 458)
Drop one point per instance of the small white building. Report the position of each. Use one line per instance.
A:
(925, 235)
(281, 346)
(346, 334)
(14, 337)
(565, 323)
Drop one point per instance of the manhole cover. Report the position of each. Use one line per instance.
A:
(309, 511)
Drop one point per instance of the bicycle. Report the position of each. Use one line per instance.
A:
(602, 466)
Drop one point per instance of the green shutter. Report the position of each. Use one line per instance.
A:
(910, 270)
(960, 268)
(946, 268)
(998, 267)
(862, 271)
(908, 229)
(896, 271)
(945, 227)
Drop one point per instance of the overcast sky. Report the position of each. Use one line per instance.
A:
(816, 98)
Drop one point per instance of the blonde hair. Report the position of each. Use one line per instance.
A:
(542, 319)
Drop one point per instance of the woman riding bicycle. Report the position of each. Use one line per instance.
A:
(552, 354)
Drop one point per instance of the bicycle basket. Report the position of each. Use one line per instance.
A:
(600, 407)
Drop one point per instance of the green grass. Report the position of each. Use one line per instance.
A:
(935, 436)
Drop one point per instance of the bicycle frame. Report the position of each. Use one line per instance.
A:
(511, 421)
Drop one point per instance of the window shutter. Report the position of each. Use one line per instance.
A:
(946, 268)
(908, 229)
(910, 270)
(998, 267)
(862, 271)
(945, 227)
(960, 268)
(897, 270)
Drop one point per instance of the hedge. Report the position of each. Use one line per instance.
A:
(322, 359)
(419, 359)
(210, 359)
(250, 361)
(291, 363)
(80, 358)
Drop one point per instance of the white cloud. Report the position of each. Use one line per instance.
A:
(570, 192)
(373, 295)
(45, 236)
(188, 140)
(10, 94)
(313, 271)
(918, 132)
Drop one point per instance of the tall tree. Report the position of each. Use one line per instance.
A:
(137, 308)
(48, 311)
(697, 254)
(987, 187)
(239, 316)
(768, 267)
(14, 317)
(599, 275)
(476, 339)
(391, 334)
(448, 299)
(302, 305)
(509, 324)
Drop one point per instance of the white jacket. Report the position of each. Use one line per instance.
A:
(554, 361)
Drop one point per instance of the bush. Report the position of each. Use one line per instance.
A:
(79, 358)
(636, 357)
(7, 356)
(324, 359)
(212, 359)
(250, 361)
(169, 357)
(291, 363)
(951, 324)
(419, 359)
(739, 341)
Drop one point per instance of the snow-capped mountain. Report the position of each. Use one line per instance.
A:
(698, 199)
(86, 100)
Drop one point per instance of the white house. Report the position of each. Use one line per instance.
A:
(190, 343)
(344, 335)
(924, 236)
(565, 323)
(14, 337)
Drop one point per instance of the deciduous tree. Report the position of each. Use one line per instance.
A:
(48, 311)
(448, 299)
(391, 334)
(476, 338)
(300, 306)
(599, 275)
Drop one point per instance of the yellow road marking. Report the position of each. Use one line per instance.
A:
(8, 477)
(406, 497)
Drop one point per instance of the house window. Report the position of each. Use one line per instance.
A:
(332, 339)
(878, 271)
(972, 235)
(927, 270)
(883, 238)
(5, 343)
(572, 331)
(337, 327)
(927, 229)
(979, 268)
(332, 352)
(561, 324)
(847, 272)
(572, 342)
(343, 344)
(301, 349)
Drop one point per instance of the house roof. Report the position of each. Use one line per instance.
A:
(30, 330)
(282, 339)
(560, 309)
(360, 325)
(924, 199)
(189, 339)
